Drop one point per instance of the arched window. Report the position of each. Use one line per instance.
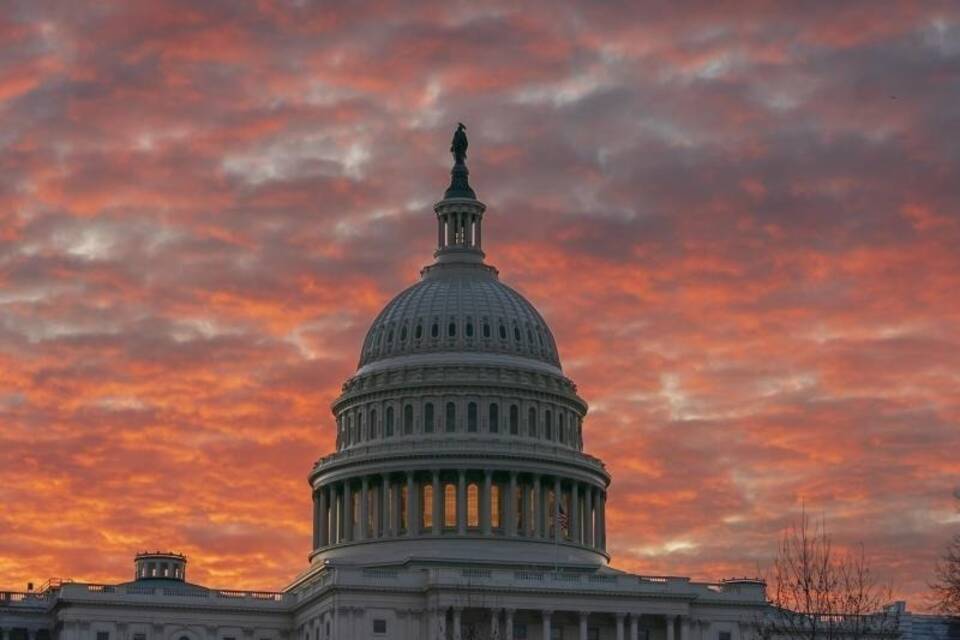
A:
(452, 329)
(562, 429)
(503, 332)
(516, 334)
(449, 505)
(493, 418)
(472, 417)
(469, 329)
(473, 505)
(418, 332)
(390, 336)
(529, 336)
(548, 424)
(435, 330)
(408, 420)
(532, 422)
(427, 502)
(360, 423)
(352, 436)
(451, 417)
(486, 329)
(428, 418)
(514, 420)
(495, 507)
(403, 334)
(374, 427)
(388, 427)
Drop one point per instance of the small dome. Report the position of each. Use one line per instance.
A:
(459, 307)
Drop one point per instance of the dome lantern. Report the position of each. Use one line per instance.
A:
(459, 214)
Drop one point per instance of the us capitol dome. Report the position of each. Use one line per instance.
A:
(459, 438)
(458, 504)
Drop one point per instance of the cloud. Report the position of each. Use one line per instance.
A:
(741, 226)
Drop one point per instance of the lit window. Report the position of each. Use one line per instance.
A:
(473, 505)
(451, 417)
(428, 418)
(403, 507)
(427, 503)
(449, 505)
(495, 506)
(472, 417)
(494, 417)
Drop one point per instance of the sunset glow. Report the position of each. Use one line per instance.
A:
(743, 228)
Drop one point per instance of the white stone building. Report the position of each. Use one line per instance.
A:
(459, 502)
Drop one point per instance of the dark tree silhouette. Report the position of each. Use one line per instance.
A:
(946, 583)
(817, 592)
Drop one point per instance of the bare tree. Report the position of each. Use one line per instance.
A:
(821, 593)
(946, 583)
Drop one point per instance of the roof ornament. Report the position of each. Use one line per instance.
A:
(459, 182)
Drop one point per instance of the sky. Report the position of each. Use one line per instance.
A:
(742, 224)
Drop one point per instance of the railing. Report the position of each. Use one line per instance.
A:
(81, 590)
(394, 447)
(22, 596)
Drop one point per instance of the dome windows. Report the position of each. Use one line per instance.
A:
(486, 329)
(428, 418)
(388, 426)
(452, 330)
(469, 329)
(532, 422)
(516, 334)
(408, 420)
(451, 425)
(514, 420)
(403, 334)
(435, 330)
(548, 424)
(472, 417)
(503, 332)
(493, 417)
(418, 332)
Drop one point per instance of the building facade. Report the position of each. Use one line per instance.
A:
(458, 505)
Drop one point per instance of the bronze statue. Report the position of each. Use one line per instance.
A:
(459, 145)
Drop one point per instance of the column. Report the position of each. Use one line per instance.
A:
(634, 626)
(588, 515)
(347, 512)
(385, 506)
(684, 628)
(494, 624)
(396, 509)
(442, 623)
(602, 529)
(364, 508)
(669, 626)
(620, 626)
(486, 502)
(316, 526)
(546, 623)
(525, 510)
(557, 498)
(508, 624)
(437, 504)
(537, 507)
(575, 513)
(412, 524)
(324, 522)
(457, 630)
(462, 502)
(584, 616)
(511, 506)
(439, 233)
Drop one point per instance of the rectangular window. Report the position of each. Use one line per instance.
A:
(519, 631)
(143, 636)
(724, 635)
(593, 633)
(403, 507)
(556, 632)
(103, 635)
(379, 626)
(495, 507)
